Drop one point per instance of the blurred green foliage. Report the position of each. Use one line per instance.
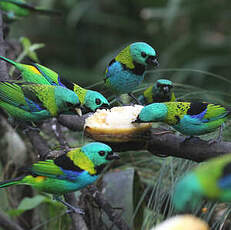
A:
(186, 34)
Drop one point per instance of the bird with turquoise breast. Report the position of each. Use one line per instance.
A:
(189, 118)
(210, 180)
(69, 172)
(91, 100)
(33, 102)
(126, 71)
(15, 9)
(159, 92)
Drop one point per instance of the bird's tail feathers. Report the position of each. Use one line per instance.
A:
(33, 8)
(7, 183)
(48, 12)
(8, 60)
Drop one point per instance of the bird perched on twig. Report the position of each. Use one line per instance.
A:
(90, 100)
(67, 173)
(26, 101)
(126, 71)
(159, 92)
(210, 180)
(189, 118)
(15, 9)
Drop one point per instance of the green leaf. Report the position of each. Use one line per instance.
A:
(27, 204)
(30, 203)
(29, 48)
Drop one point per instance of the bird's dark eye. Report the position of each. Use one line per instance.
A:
(101, 153)
(143, 54)
(97, 101)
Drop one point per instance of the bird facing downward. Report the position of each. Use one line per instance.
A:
(159, 92)
(69, 172)
(126, 71)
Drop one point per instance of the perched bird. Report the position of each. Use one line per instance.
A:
(67, 173)
(159, 92)
(91, 100)
(15, 9)
(126, 71)
(189, 118)
(210, 180)
(33, 102)
(182, 222)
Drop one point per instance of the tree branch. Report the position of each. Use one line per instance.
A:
(38, 142)
(3, 67)
(7, 223)
(77, 219)
(160, 142)
(114, 216)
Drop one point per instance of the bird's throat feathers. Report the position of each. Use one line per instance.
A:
(82, 161)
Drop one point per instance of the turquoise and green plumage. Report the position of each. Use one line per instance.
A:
(69, 172)
(15, 9)
(90, 99)
(189, 118)
(126, 71)
(160, 91)
(210, 180)
(33, 102)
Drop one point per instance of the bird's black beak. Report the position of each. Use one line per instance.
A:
(137, 120)
(105, 106)
(112, 156)
(166, 89)
(152, 60)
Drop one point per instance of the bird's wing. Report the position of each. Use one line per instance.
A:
(20, 3)
(49, 168)
(224, 181)
(26, 5)
(148, 94)
(48, 74)
(53, 78)
(173, 97)
(31, 93)
(13, 94)
(201, 112)
(215, 112)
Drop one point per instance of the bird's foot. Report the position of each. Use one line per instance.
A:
(215, 141)
(75, 210)
(29, 128)
(219, 138)
(70, 208)
(163, 132)
(134, 98)
(190, 139)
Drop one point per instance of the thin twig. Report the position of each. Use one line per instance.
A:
(7, 223)
(77, 219)
(114, 215)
